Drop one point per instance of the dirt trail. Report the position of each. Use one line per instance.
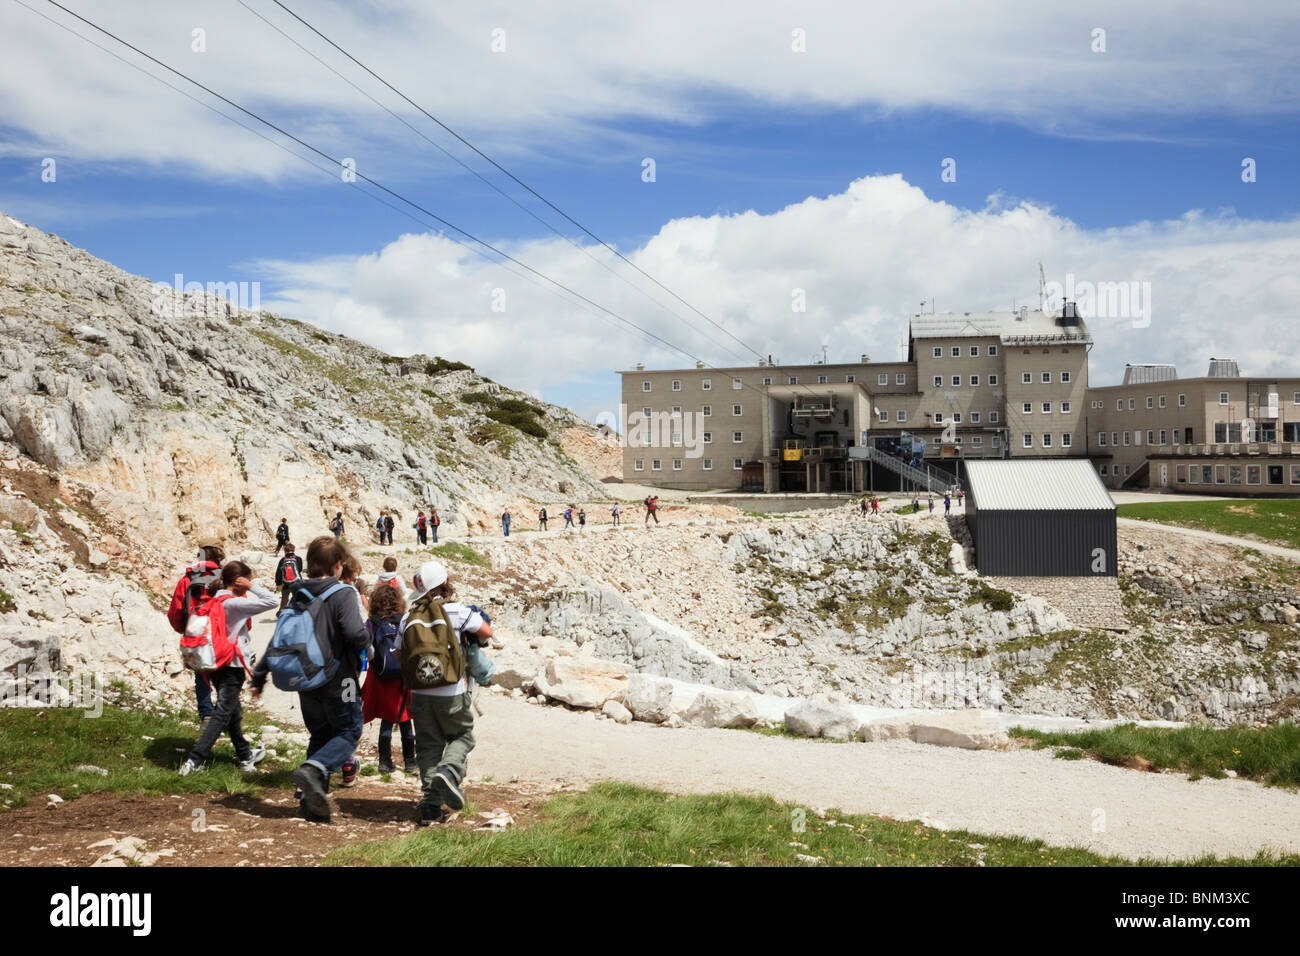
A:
(1289, 553)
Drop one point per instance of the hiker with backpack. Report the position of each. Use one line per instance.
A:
(541, 519)
(191, 589)
(435, 633)
(286, 572)
(218, 646)
(389, 576)
(316, 651)
(568, 518)
(651, 508)
(389, 524)
(384, 695)
(379, 526)
(281, 535)
(421, 529)
(336, 526)
(434, 521)
(582, 520)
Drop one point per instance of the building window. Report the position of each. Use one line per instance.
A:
(1065, 408)
(656, 464)
(708, 438)
(821, 379)
(677, 464)
(993, 350)
(974, 351)
(1252, 474)
(956, 351)
(1295, 475)
(1027, 408)
(706, 385)
(645, 386)
(638, 464)
(938, 381)
(1180, 474)
(883, 379)
(677, 411)
(1065, 376)
(900, 378)
(882, 414)
(1027, 441)
(997, 441)
(1047, 378)
(1125, 469)
(1067, 440)
(1026, 378)
(1114, 438)
(938, 352)
(645, 411)
(1234, 474)
(1223, 398)
(737, 384)
(938, 418)
(1182, 399)
(1131, 404)
(735, 410)
(677, 385)
(1126, 438)
(850, 378)
(993, 379)
(737, 438)
(707, 464)
(956, 381)
(993, 417)
(677, 439)
(1101, 439)
(974, 380)
(1151, 437)
(767, 381)
(1162, 401)
(1102, 471)
(1163, 436)
(1047, 408)
(1219, 473)
(1047, 440)
(737, 464)
(1119, 404)
(1150, 402)
(1295, 398)
(706, 411)
(974, 418)
(794, 380)
(956, 417)
(901, 416)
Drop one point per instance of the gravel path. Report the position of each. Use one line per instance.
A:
(1289, 553)
(1026, 793)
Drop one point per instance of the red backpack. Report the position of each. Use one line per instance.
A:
(206, 646)
(290, 570)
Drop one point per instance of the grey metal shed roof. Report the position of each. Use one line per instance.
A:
(1069, 484)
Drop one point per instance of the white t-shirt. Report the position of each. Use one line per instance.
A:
(465, 622)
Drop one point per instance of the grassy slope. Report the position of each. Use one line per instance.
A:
(1277, 522)
(1270, 754)
(616, 824)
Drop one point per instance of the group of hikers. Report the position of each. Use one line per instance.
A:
(421, 654)
(871, 505)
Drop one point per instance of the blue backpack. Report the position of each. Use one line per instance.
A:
(297, 657)
(386, 663)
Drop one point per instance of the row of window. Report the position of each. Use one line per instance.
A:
(706, 411)
(1232, 474)
(656, 464)
(956, 381)
(1027, 408)
(956, 418)
(1027, 440)
(1151, 435)
(956, 351)
(1045, 378)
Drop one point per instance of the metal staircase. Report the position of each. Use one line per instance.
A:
(919, 478)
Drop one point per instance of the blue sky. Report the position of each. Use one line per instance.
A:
(772, 173)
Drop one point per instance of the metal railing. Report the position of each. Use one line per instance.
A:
(920, 477)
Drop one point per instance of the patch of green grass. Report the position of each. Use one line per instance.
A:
(994, 599)
(617, 824)
(140, 745)
(1275, 521)
(440, 366)
(455, 551)
(1270, 754)
(7, 602)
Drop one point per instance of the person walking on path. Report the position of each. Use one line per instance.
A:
(239, 600)
(651, 508)
(434, 521)
(505, 522)
(947, 504)
(336, 526)
(875, 506)
(286, 572)
(615, 512)
(568, 518)
(379, 526)
(863, 506)
(582, 520)
(421, 527)
(389, 525)
(281, 535)
(541, 519)
(189, 591)
(916, 503)
(332, 712)
(930, 500)
(384, 696)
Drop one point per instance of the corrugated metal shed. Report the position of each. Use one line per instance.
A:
(1037, 485)
(1041, 518)
(1146, 374)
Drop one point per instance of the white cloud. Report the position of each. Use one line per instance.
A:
(579, 71)
(866, 257)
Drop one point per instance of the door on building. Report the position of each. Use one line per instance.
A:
(1164, 476)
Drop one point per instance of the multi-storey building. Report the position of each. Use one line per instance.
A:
(973, 385)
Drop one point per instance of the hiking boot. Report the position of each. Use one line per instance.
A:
(445, 789)
(348, 774)
(430, 814)
(188, 767)
(385, 764)
(408, 757)
(256, 756)
(315, 798)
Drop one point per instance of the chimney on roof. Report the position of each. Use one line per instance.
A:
(1069, 314)
(865, 358)
(640, 366)
(699, 364)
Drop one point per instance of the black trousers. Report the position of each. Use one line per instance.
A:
(228, 716)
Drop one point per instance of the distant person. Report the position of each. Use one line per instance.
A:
(238, 600)
(582, 520)
(615, 512)
(331, 712)
(568, 518)
(379, 526)
(652, 508)
(505, 522)
(930, 501)
(947, 504)
(192, 589)
(336, 526)
(281, 535)
(389, 576)
(863, 507)
(961, 498)
(434, 522)
(421, 527)
(875, 505)
(286, 572)
(541, 519)
(916, 503)
(389, 525)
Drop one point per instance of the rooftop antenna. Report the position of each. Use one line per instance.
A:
(1042, 288)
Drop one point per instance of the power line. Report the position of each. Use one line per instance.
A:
(516, 179)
